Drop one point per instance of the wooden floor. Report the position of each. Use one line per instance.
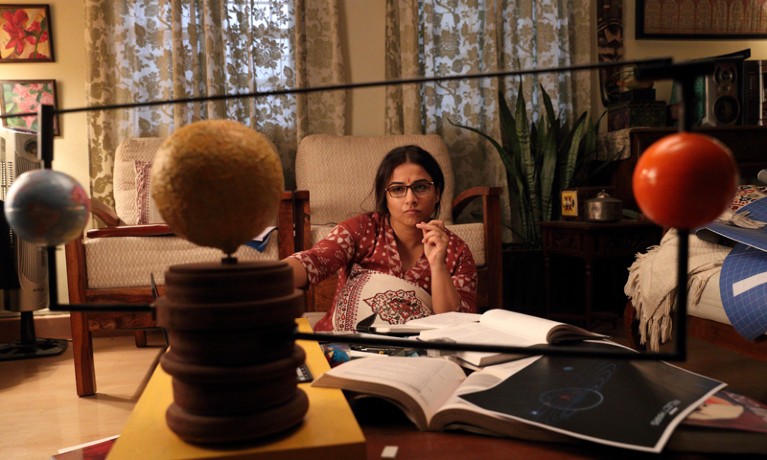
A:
(41, 413)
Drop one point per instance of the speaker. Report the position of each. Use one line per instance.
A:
(722, 104)
(754, 100)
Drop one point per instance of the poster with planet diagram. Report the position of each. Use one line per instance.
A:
(622, 403)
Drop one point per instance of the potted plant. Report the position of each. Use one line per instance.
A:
(541, 159)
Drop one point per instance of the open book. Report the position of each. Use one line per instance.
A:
(428, 391)
(504, 327)
(633, 405)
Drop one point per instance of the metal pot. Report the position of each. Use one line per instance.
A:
(604, 208)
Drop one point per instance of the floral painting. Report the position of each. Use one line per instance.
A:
(25, 33)
(26, 96)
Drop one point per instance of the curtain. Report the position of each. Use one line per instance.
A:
(152, 50)
(454, 37)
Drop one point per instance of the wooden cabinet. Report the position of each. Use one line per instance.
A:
(592, 243)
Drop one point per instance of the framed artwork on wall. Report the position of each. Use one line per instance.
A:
(683, 19)
(25, 33)
(25, 96)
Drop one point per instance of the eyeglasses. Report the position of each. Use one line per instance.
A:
(419, 188)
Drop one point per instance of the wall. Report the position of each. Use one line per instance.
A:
(679, 50)
(71, 147)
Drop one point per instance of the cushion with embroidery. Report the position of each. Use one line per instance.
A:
(367, 292)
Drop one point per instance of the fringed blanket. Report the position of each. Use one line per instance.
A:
(652, 283)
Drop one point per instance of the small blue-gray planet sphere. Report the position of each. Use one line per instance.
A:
(46, 207)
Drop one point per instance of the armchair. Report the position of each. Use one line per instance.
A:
(113, 263)
(339, 171)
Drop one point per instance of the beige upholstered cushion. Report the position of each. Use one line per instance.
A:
(128, 261)
(339, 172)
(474, 237)
(133, 162)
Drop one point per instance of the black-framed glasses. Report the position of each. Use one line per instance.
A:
(419, 188)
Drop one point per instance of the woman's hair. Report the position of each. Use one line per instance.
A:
(401, 155)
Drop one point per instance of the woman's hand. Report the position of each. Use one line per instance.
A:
(434, 241)
(444, 295)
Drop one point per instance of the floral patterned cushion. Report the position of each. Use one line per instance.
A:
(747, 194)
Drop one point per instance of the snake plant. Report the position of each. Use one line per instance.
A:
(540, 161)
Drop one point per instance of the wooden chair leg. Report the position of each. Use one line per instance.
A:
(82, 351)
(140, 336)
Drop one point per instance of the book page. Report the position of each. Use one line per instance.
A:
(450, 318)
(485, 332)
(419, 385)
(535, 329)
(505, 327)
(457, 413)
(531, 328)
(478, 333)
(435, 321)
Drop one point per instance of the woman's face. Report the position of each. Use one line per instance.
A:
(415, 206)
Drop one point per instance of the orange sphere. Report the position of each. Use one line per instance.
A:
(685, 180)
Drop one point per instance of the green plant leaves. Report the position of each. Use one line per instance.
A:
(540, 160)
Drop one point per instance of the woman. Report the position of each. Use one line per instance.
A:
(398, 262)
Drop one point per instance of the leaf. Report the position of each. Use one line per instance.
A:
(540, 159)
(573, 149)
(548, 171)
(527, 163)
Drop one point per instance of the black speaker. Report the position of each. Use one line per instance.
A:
(754, 102)
(723, 95)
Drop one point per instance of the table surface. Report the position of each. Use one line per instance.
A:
(382, 425)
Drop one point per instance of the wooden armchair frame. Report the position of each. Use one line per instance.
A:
(84, 324)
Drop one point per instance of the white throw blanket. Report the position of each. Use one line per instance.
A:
(652, 283)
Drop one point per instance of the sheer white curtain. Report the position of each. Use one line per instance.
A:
(454, 37)
(150, 50)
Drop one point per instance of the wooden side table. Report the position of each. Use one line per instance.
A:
(590, 242)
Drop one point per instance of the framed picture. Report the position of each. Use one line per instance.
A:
(25, 96)
(25, 33)
(683, 19)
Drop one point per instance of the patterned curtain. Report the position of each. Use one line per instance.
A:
(152, 50)
(454, 37)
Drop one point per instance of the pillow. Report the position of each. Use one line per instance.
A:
(394, 300)
(133, 156)
(146, 208)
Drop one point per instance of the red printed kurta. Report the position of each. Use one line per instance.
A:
(368, 241)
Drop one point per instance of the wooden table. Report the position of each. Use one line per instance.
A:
(592, 242)
(382, 424)
(329, 429)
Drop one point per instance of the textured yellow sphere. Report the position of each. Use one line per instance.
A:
(217, 183)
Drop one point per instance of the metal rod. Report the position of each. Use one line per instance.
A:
(619, 352)
(651, 63)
